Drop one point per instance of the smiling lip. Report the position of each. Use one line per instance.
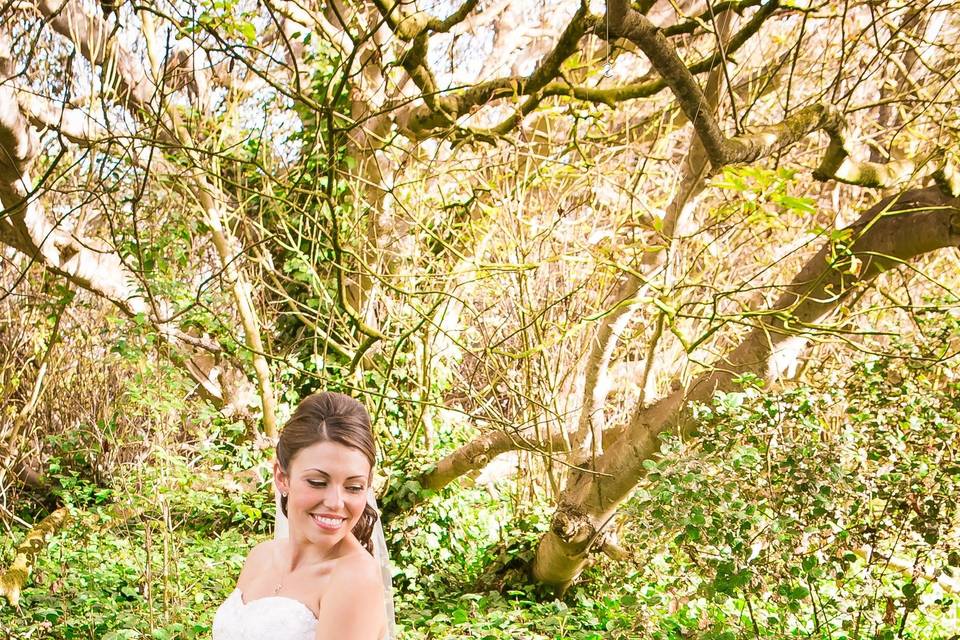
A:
(327, 522)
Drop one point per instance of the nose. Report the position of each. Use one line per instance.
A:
(333, 498)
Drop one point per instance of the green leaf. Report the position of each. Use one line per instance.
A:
(803, 205)
(798, 592)
(248, 31)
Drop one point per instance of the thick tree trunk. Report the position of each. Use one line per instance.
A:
(895, 230)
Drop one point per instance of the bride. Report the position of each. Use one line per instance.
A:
(323, 581)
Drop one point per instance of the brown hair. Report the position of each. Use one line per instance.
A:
(330, 417)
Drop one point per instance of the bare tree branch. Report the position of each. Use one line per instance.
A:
(896, 230)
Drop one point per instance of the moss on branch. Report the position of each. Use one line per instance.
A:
(410, 26)
(691, 25)
(442, 111)
(836, 164)
(948, 178)
(15, 577)
(625, 22)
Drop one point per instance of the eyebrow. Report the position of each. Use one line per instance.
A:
(328, 475)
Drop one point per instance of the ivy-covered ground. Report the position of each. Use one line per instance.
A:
(827, 514)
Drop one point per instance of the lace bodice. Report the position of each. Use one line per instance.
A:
(270, 618)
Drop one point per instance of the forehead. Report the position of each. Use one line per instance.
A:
(333, 458)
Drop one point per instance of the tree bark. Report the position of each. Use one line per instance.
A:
(590, 423)
(897, 87)
(479, 451)
(896, 230)
(93, 264)
(240, 290)
(15, 577)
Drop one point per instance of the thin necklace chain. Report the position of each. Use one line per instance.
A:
(279, 586)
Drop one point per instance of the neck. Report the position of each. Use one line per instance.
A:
(305, 552)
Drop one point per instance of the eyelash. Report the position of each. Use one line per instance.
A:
(319, 484)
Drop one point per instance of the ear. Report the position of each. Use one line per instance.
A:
(280, 478)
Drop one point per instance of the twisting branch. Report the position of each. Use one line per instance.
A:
(443, 110)
(24, 224)
(625, 22)
(644, 88)
(894, 231)
(92, 36)
(455, 18)
(75, 125)
(411, 26)
(412, 29)
(422, 121)
(547, 70)
(691, 25)
(836, 163)
(761, 141)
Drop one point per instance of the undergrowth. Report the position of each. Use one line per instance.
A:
(826, 514)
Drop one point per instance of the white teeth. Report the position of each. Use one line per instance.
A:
(330, 522)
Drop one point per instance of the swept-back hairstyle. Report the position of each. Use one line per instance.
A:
(330, 417)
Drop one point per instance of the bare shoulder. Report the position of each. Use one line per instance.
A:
(355, 593)
(358, 568)
(260, 558)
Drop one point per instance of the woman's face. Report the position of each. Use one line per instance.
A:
(326, 488)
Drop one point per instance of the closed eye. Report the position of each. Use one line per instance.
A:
(319, 484)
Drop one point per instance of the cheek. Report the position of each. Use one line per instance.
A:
(357, 504)
(306, 496)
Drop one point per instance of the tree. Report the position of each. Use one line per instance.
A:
(345, 171)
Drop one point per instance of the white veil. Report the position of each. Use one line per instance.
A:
(282, 530)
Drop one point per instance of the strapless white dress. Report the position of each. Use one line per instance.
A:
(269, 618)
